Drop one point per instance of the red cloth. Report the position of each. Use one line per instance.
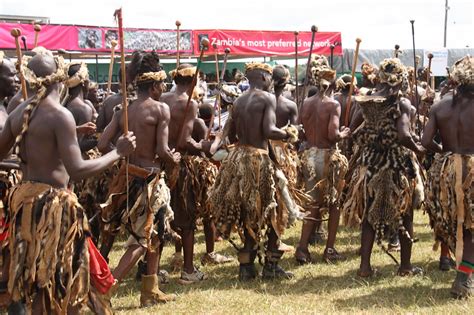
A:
(100, 275)
(3, 230)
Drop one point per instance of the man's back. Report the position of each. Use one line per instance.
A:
(144, 117)
(81, 111)
(39, 149)
(248, 113)
(107, 110)
(286, 112)
(316, 114)
(454, 119)
(177, 103)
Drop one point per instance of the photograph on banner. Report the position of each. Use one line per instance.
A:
(90, 38)
(439, 61)
(156, 40)
(110, 35)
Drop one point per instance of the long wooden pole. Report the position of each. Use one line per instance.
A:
(37, 28)
(428, 73)
(296, 69)
(113, 43)
(178, 24)
(209, 127)
(118, 15)
(351, 87)
(204, 46)
(314, 29)
(16, 33)
(415, 65)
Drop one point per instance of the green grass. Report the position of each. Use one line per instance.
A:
(316, 289)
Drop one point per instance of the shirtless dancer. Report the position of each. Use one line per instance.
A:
(323, 166)
(49, 152)
(451, 213)
(244, 194)
(148, 209)
(183, 180)
(8, 172)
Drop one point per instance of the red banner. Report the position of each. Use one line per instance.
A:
(268, 43)
(97, 39)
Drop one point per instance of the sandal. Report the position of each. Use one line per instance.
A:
(413, 271)
(302, 257)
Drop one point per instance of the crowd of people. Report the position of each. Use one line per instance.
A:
(77, 172)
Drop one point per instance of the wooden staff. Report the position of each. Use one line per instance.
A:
(351, 87)
(113, 43)
(217, 62)
(178, 24)
(118, 16)
(16, 33)
(331, 62)
(428, 73)
(296, 68)
(37, 28)
(415, 64)
(25, 47)
(314, 29)
(217, 103)
(204, 46)
(209, 128)
(397, 50)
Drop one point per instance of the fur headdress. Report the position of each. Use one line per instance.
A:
(462, 72)
(185, 72)
(322, 74)
(81, 76)
(394, 73)
(151, 76)
(258, 66)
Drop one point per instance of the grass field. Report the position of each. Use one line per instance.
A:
(316, 289)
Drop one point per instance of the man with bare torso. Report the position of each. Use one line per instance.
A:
(450, 188)
(184, 186)
(323, 166)
(49, 152)
(8, 173)
(148, 205)
(244, 194)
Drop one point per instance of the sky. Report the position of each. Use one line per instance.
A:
(379, 23)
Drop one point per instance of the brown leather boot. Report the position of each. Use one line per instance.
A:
(151, 294)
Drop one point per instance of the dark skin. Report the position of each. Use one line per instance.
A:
(83, 113)
(180, 138)
(254, 123)
(452, 117)
(254, 113)
(149, 120)
(320, 115)
(106, 112)
(50, 150)
(286, 110)
(403, 124)
(8, 86)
